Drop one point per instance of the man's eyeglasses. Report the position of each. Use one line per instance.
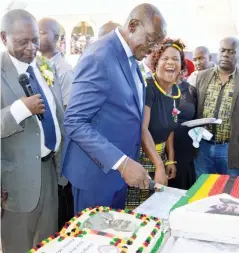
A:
(152, 41)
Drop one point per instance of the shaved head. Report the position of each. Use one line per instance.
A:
(202, 58)
(202, 49)
(147, 13)
(107, 28)
(50, 24)
(143, 29)
(50, 31)
(228, 54)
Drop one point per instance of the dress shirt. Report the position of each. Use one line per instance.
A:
(147, 70)
(65, 74)
(193, 78)
(139, 84)
(20, 112)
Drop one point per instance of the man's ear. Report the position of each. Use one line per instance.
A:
(4, 38)
(57, 37)
(210, 58)
(132, 25)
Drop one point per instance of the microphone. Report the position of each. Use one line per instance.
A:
(25, 83)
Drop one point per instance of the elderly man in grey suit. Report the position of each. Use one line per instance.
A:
(29, 146)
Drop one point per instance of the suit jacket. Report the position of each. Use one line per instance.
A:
(203, 79)
(103, 119)
(21, 145)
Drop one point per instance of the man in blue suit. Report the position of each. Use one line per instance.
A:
(103, 121)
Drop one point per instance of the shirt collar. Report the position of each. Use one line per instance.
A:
(146, 68)
(216, 71)
(124, 44)
(21, 66)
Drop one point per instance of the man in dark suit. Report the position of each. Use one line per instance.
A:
(103, 121)
(29, 146)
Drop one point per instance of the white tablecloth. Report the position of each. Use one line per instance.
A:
(159, 205)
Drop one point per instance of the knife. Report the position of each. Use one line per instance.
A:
(155, 186)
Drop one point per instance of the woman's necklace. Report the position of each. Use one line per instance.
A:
(175, 110)
(164, 92)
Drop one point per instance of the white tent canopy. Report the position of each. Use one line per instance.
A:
(196, 22)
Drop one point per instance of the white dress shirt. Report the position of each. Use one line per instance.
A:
(147, 70)
(193, 78)
(139, 84)
(20, 112)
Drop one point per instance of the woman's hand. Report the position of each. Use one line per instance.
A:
(160, 176)
(171, 171)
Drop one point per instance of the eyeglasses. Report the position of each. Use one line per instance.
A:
(152, 42)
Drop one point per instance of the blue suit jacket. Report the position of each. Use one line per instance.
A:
(103, 120)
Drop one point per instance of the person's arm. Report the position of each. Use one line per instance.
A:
(89, 92)
(193, 94)
(148, 143)
(149, 148)
(66, 80)
(13, 115)
(170, 168)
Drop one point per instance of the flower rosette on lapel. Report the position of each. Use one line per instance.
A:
(46, 70)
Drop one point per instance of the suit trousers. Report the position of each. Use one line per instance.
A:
(98, 197)
(22, 231)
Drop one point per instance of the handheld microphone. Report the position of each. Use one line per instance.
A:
(25, 83)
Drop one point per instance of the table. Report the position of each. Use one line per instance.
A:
(159, 205)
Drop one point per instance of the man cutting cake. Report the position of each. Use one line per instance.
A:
(103, 121)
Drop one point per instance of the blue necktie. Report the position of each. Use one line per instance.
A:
(134, 67)
(47, 123)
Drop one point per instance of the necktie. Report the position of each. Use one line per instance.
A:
(134, 67)
(47, 123)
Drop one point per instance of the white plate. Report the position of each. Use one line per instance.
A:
(202, 122)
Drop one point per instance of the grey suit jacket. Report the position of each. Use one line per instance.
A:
(21, 147)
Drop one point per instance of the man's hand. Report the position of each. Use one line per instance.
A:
(171, 171)
(34, 104)
(161, 176)
(134, 174)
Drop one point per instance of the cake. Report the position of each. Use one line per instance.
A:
(209, 185)
(215, 218)
(104, 230)
(66, 244)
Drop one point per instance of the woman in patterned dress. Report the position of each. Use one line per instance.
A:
(160, 118)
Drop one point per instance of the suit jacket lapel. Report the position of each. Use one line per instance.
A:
(236, 92)
(124, 63)
(59, 110)
(9, 73)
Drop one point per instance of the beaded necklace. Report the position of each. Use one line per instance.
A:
(164, 92)
(175, 110)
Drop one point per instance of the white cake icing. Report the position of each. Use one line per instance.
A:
(75, 245)
(105, 231)
(214, 218)
(119, 225)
